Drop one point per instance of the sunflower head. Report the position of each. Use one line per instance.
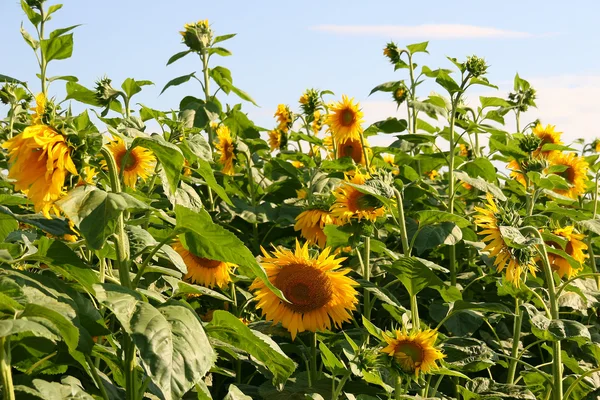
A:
(524, 95)
(351, 203)
(274, 139)
(138, 162)
(311, 223)
(352, 148)
(476, 66)
(400, 94)
(574, 246)
(413, 353)
(284, 118)
(319, 293)
(465, 151)
(310, 101)
(344, 120)
(105, 92)
(203, 271)
(575, 173)
(226, 147)
(317, 123)
(530, 143)
(391, 52)
(197, 36)
(547, 135)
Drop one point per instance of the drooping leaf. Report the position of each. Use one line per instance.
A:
(170, 156)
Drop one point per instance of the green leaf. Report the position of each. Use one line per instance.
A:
(446, 81)
(416, 274)
(481, 184)
(243, 95)
(206, 239)
(480, 167)
(431, 236)
(95, 212)
(386, 87)
(206, 172)
(234, 393)
(131, 87)
(34, 44)
(556, 329)
(418, 47)
(331, 362)
(497, 308)
(171, 340)
(52, 9)
(32, 16)
(222, 77)
(223, 38)
(54, 226)
(183, 288)
(61, 31)
(467, 354)
(8, 79)
(169, 155)
(220, 51)
(7, 225)
(430, 217)
(58, 48)
(229, 329)
(592, 225)
(13, 326)
(493, 102)
(53, 320)
(336, 236)
(177, 81)
(391, 125)
(177, 56)
(84, 95)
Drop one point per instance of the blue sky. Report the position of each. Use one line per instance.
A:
(284, 47)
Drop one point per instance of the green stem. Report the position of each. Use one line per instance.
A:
(557, 392)
(398, 391)
(340, 387)
(11, 121)
(314, 372)
(573, 385)
(580, 276)
(589, 239)
(129, 369)
(367, 275)
(512, 366)
(40, 362)
(364, 150)
(256, 241)
(148, 258)
(414, 310)
(402, 223)
(537, 369)
(96, 377)
(8, 389)
(452, 265)
(43, 62)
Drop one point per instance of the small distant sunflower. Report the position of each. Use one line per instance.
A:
(516, 173)
(319, 293)
(515, 261)
(39, 159)
(317, 123)
(547, 135)
(414, 352)
(274, 139)
(226, 147)
(344, 120)
(209, 273)
(574, 247)
(297, 164)
(284, 118)
(352, 148)
(139, 162)
(187, 168)
(575, 174)
(596, 145)
(464, 150)
(302, 193)
(351, 203)
(311, 223)
(433, 174)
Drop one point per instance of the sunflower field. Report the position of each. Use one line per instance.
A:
(191, 254)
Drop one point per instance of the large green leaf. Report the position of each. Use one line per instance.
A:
(11, 326)
(480, 167)
(467, 354)
(229, 329)
(481, 184)
(169, 155)
(58, 47)
(95, 212)
(416, 274)
(430, 217)
(171, 340)
(206, 239)
(205, 170)
(54, 226)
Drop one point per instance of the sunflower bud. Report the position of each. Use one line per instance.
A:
(7, 94)
(382, 184)
(476, 66)
(310, 101)
(400, 94)
(105, 93)
(530, 143)
(197, 36)
(523, 98)
(391, 52)
(596, 145)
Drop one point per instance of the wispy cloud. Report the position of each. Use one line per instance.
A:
(426, 31)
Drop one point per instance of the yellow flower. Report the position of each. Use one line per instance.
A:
(225, 146)
(40, 108)
(389, 159)
(87, 177)
(317, 123)
(574, 248)
(39, 159)
(203, 271)
(274, 139)
(433, 174)
(352, 148)
(302, 193)
(464, 150)
(139, 162)
(548, 135)
(415, 353)
(297, 164)
(318, 292)
(284, 117)
(575, 174)
(597, 146)
(516, 173)
(187, 170)
(351, 203)
(345, 120)
(505, 257)
(303, 99)
(311, 224)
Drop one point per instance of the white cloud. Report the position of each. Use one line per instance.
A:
(427, 31)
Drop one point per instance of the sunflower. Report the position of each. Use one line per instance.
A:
(317, 123)
(515, 261)
(301, 194)
(547, 135)
(389, 159)
(596, 145)
(187, 168)
(345, 120)
(516, 173)
(203, 271)
(351, 203)
(352, 148)
(297, 164)
(274, 139)
(284, 117)
(415, 352)
(39, 159)
(575, 174)
(87, 177)
(139, 162)
(311, 224)
(39, 110)
(574, 248)
(433, 174)
(318, 292)
(225, 146)
(464, 150)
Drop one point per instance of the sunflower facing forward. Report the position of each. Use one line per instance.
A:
(415, 353)
(575, 173)
(344, 120)
(318, 293)
(139, 162)
(574, 247)
(351, 203)
(225, 147)
(39, 160)
(209, 273)
(548, 136)
(311, 223)
(515, 261)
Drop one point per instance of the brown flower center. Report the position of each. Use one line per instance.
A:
(129, 160)
(410, 355)
(568, 174)
(205, 262)
(347, 117)
(306, 287)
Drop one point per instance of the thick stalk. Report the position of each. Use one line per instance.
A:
(413, 97)
(452, 265)
(252, 201)
(204, 58)
(11, 121)
(398, 391)
(43, 62)
(557, 390)
(367, 275)
(414, 311)
(314, 372)
(338, 391)
(512, 366)
(8, 389)
(365, 154)
(402, 223)
(589, 238)
(97, 378)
